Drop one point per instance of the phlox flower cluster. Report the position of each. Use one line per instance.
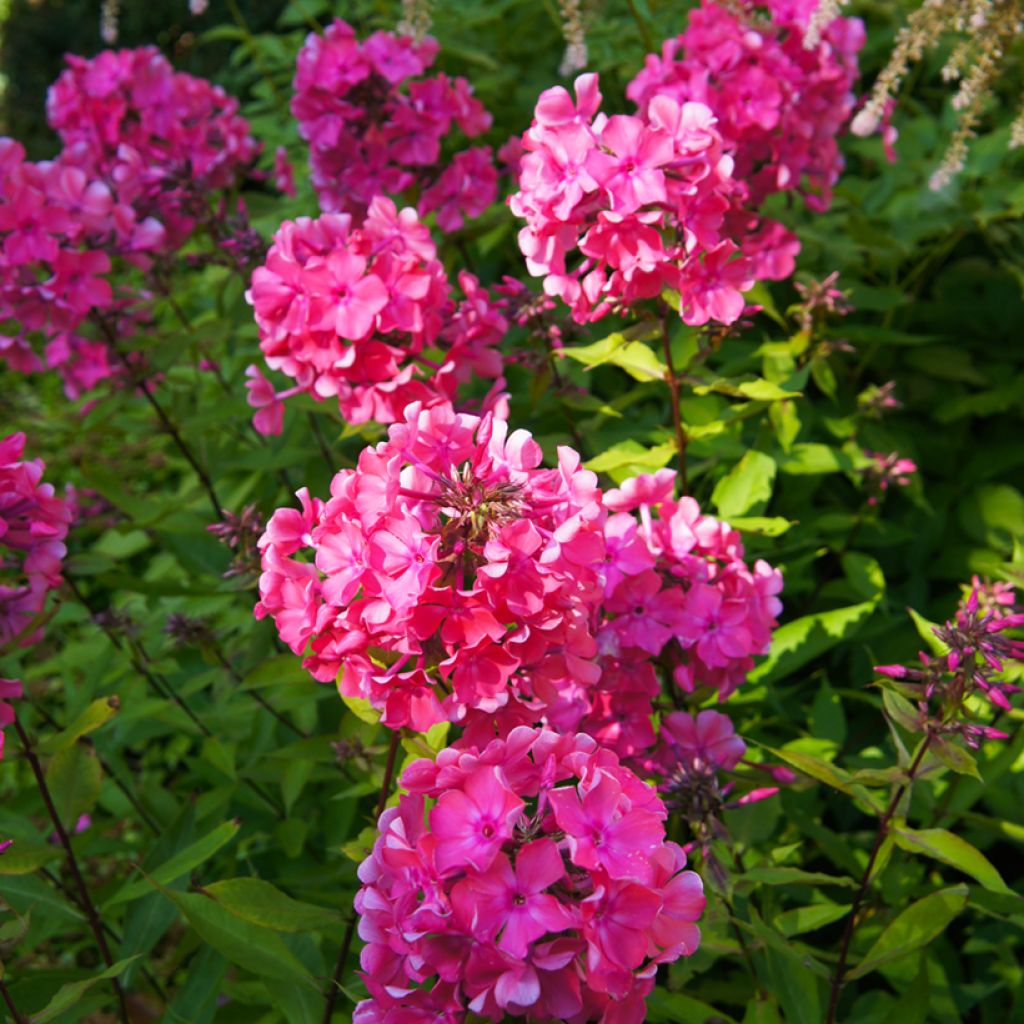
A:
(448, 576)
(33, 524)
(348, 311)
(375, 126)
(677, 591)
(144, 149)
(538, 885)
(162, 139)
(695, 755)
(59, 227)
(641, 198)
(779, 106)
(9, 690)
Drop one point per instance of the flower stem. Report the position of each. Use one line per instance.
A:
(334, 986)
(165, 421)
(851, 921)
(677, 420)
(6, 995)
(65, 841)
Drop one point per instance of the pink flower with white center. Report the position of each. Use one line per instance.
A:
(646, 616)
(533, 933)
(632, 174)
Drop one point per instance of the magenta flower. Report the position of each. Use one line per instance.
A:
(470, 825)
(599, 835)
(512, 900)
(453, 927)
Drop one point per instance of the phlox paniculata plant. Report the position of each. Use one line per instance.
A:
(375, 124)
(162, 138)
(618, 209)
(147, 155)
(34, 522)
(349, 312)
(450, 577)
(539, 884)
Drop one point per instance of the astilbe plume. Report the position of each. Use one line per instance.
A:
(538, 885)
(347, 311)
(162, 139)
(61, 227)
(33, 524)
(779, 106)
(375, 126)
(448, 575)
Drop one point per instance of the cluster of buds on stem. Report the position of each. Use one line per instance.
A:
(974, 662)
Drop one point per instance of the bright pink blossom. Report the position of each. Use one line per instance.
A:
(535, 918)
(375, 126)
(347, 313)
(34, 522)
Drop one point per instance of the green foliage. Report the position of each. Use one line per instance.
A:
(230, 798)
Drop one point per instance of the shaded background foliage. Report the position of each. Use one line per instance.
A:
(196, 782)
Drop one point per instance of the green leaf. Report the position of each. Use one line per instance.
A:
(764, 526)
(98, 713)
(864, 575)
(770, 875)
(926, 631)
(23, 859)
(362, 709)
(263, 904)
(950, 849)
(183, 861)
(900, 710)
(664, 1007)
(823, 771)
(954, 757)
(259, 950)
(358, 849)
(809, 919)
(68, 995)
(747, 484)
(812, 459)
(639, 361)
(796, 643)
(628, 458)
(758, 390)
(915, 927)
(74, 778)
